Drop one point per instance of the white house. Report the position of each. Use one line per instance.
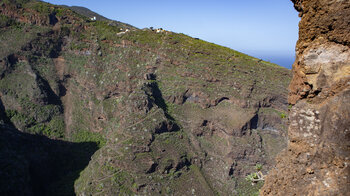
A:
(160, 30)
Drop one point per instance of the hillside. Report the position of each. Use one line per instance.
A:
(89, 109)
(90, 14)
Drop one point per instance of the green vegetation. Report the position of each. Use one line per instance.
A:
(45, 130)
(15, 37)
(6, 21)
(86, 72)
(258, 167)
(251, 185)
(20, 120)
(57, 127)
(52, 129)
(283, 115)
(105, 31)
(87, 136)
(41, 7)
(18, 3)
(249, 189)
(256, 176)
(46, 9)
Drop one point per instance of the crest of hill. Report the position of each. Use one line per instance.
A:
(90, 14)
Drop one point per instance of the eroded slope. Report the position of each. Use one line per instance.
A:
(171, 114)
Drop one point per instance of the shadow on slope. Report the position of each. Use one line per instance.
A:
(36, 165)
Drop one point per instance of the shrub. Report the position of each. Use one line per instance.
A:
(258, 167)
(256, 176)
(283, 115)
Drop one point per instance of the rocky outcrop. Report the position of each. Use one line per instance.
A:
(322, 50)
(317, 159)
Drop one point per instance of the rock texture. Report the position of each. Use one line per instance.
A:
(115, 112)
(317, 159)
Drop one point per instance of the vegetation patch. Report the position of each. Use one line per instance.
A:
(87, 136)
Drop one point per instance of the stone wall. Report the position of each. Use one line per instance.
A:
(317, 159)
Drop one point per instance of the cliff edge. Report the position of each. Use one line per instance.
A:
(316, 161)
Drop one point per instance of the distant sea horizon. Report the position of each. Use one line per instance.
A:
(284, 60)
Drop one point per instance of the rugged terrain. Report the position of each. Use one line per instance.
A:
(317, 159)
(90, 108)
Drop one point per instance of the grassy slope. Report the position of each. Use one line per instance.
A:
(106, 82)
(181, 63)
(90, 14)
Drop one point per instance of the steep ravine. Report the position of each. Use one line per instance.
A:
(102, 110)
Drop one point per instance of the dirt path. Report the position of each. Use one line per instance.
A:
(60, 67)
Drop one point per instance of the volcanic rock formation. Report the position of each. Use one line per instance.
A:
(317, 159)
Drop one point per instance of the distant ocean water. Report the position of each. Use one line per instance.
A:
(283, 61)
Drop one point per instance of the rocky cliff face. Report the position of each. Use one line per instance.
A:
(317, 159)
(102, 110)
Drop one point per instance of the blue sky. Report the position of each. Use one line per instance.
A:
(266, 29)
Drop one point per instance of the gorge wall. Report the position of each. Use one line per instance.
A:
(103, 108)
(316, 161)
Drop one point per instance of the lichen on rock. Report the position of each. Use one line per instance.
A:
(317, 159)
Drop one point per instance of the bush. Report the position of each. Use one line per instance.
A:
(21, 121)
(54, 129)
(258, 167)
(256, 176)
(283, 115)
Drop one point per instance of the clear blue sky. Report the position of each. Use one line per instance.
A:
(266, 29)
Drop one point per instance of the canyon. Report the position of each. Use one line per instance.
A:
(92, 106)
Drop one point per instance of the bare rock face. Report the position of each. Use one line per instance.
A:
(322, 50)
(317, 159)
